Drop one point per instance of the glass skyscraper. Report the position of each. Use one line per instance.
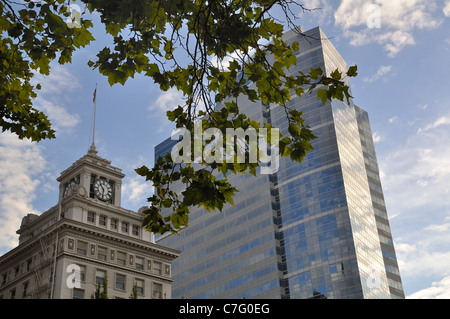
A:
(313, 230)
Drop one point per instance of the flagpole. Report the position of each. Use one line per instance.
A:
(92, 149)
(95, 112)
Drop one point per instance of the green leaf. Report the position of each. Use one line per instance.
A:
(322, 94)
(352, 71)
(316, 73)
(113, 29)
(167, 202)
(142, 171)
(336, 75)
(294, 130)
(285, 140)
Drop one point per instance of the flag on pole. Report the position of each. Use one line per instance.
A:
(95, 94)
(95, 111)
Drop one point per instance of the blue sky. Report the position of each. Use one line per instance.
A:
(403, 82)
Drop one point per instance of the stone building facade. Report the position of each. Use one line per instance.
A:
(87, 237)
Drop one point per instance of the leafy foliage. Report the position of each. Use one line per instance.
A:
(134, 292)
(242, 33)
(213, 51)
(31, 36)
(101, 290)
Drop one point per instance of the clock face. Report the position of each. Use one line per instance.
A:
(103, 189)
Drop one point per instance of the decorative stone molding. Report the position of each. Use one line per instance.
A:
(71, 244)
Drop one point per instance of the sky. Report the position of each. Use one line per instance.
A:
(402, 49)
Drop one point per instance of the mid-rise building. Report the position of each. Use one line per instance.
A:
(315, 229)
(85, 240)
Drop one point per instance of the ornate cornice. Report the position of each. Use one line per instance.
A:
(81, 199)
(117, 238)
(93, 232)
(95, 162)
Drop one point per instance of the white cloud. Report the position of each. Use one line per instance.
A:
(438, 290)
(398, 41)
(427, 257)
(322, 10)
(377, 137)
(51, 97)
(398, 21)
(136, 191)
(168, 100)
(416, 190)
(225, 63)
(423, 107)
(60, 80)
(446, 9)
(382, 71)
(393, 119)
(21, 162)
(397, 15)
(441, 121)
(57, 114)
(439, 228)
(417, 173)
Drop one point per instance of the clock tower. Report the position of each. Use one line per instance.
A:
(92, 177)
(71, 248)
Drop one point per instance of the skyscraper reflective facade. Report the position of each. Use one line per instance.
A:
(315, 229)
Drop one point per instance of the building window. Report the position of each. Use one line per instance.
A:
(91, 217)
(157, 291)
(25, 289)
(13, 294)
(82, 248)
(78, 293)
(102, 253)
(135, 230)
(121, 258)
(91, 186)
(100, 276)
(29, 264)
(125, 227)
(139, 263)
(120, 281)
(114, 224)
(80, 273)
(102, 220)
(4, 277)
(140, 286)
(157, 268)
